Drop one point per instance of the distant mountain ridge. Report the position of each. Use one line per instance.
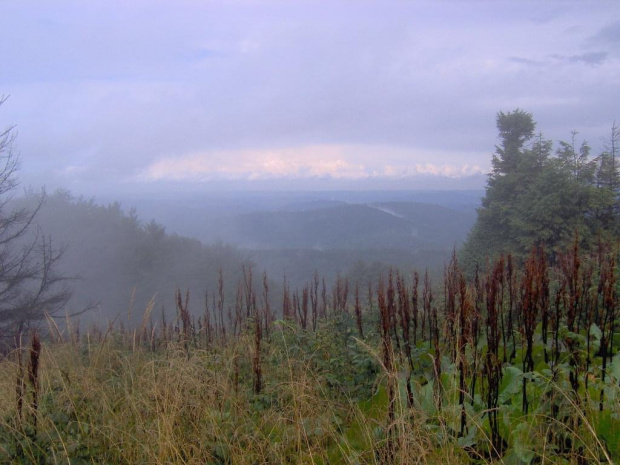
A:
(340, 225)
(358, 234)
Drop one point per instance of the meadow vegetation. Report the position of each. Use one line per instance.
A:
(516, 365)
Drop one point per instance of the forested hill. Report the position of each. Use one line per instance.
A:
(358, 241)
(389, 225)
(122, 263)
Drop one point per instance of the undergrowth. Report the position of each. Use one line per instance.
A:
(514, 367)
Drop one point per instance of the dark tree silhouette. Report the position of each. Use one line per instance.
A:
(30, 287)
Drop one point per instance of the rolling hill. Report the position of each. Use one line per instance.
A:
(389, 225)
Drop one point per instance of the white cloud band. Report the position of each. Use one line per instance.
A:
(318, 161)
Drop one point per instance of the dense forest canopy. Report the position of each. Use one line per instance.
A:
(538, 195)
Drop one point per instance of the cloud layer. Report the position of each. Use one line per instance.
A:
(194, 91)
(320, 161)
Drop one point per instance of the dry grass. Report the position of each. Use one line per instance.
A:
(167, 394)
(104, 402)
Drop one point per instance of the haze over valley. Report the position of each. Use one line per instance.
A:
(294, 234)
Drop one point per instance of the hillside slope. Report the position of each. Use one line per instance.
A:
(403, 225)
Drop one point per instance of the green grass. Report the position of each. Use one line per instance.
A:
(118, 401)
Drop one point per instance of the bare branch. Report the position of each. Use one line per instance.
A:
(30, 286)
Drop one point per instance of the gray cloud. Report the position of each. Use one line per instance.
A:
(106, 89)
(526, 61)
(609, 34)
(589, 58)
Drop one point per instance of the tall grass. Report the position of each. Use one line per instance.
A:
(517, 366)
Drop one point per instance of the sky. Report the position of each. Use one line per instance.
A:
(130, 95)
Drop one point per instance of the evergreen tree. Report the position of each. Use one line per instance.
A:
(533, 197)
(513, 170)
(608, 181)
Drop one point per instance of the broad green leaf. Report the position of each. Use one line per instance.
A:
(469, 439)
(427, 399)
(511, 383)
(521, 444)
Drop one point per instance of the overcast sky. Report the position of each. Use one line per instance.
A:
(302, 94)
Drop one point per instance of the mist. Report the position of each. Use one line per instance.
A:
(291, 137)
